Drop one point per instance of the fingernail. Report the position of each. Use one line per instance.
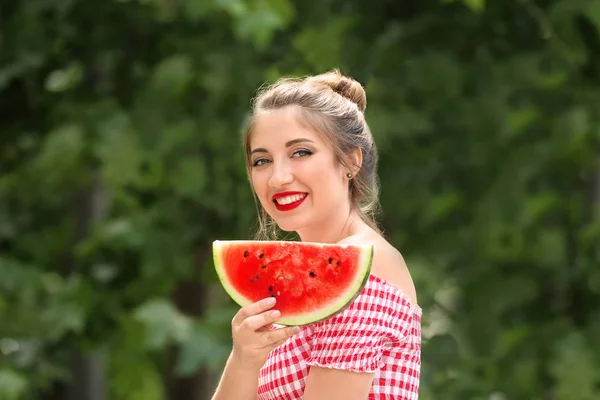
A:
(271, 301)
(296, 329)
(275, 313)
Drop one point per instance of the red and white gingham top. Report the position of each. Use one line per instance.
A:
(379, 332)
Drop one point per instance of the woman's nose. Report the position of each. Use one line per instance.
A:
(281, 176)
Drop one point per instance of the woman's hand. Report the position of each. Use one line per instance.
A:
(252, 337)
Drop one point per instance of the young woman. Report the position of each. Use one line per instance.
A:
(311, 162)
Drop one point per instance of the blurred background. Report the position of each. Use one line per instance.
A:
(121, 161)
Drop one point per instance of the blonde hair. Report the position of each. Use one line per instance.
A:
(333, 105)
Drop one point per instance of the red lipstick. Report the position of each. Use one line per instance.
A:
(289, 206)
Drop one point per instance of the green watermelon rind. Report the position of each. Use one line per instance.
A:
(242, 301)
(344, 300)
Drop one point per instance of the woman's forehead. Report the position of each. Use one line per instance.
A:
(281, 129)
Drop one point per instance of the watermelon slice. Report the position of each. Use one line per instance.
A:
(311, 281)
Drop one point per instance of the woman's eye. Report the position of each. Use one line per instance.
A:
(259, 162)
(302, 153)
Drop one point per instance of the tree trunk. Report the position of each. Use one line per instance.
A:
(89, 376)
(192, 298)
(88, 369)
(596, 192)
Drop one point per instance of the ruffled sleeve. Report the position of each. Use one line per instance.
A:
(357, 339)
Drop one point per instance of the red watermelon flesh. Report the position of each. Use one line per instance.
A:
(311, 281)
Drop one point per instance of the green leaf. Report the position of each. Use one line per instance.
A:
(575, 369)
(237, 8)
(324, 54)
(202, 349)
(164, 324)
(12, 385)
(190, 178)
(172, 76)
(258, 21)
(591, 10)
(61, 80)
(475, 5)
(24, 63)
(61, 154)
(198, 9)
(134, 376)
(119, 152)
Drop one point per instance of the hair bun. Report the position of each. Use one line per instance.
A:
(344, 85)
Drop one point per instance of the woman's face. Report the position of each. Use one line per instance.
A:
(294, 173)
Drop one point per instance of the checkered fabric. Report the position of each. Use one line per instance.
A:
(379, 332)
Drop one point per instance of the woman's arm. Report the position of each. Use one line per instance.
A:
(252, 342)
(335, 384)
(239, 381)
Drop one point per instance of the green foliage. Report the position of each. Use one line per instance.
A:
(121, 161)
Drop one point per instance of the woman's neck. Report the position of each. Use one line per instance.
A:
(333, 229)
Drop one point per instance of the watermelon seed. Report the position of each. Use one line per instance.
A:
(264, 266)
(312, 273)
(257, 277)
(261, 255)
(338, 263)
(246, 254)
(271, 288)
(330, 260)
(272, 295)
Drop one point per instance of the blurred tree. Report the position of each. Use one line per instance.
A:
(120, 162)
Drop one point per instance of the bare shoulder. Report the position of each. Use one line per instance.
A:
(388, 263)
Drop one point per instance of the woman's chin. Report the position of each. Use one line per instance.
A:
(290, 224)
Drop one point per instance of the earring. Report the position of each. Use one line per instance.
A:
(349, 175)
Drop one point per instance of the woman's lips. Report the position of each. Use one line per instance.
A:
(287, 201)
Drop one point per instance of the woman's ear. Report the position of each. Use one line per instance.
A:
(355, 160)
